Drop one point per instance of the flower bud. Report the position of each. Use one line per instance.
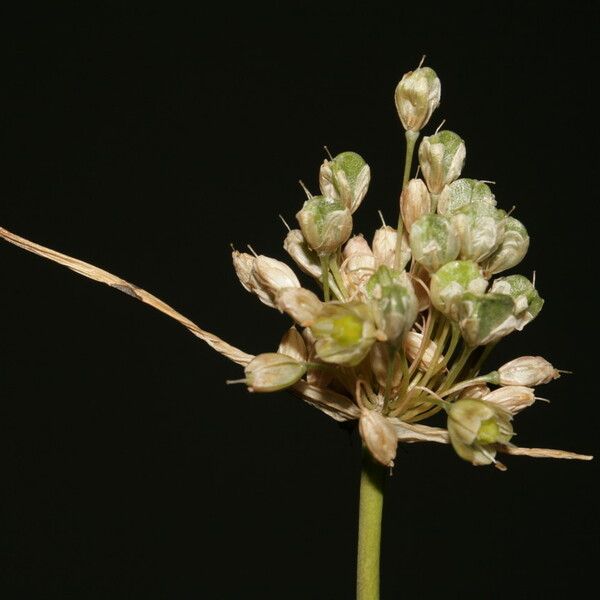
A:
(272, 372)
(379, 436)
(441, 157)
(480, 228)
(268, 277)
(412, 347)
(477, 391)
(292, 344)
(344, 332)
(512, 248)
(528, 371)
(461, 193)
(417, 96)
(384, 247)
(451, 281)
(475, 427)
(513, 398)
(356, 246)
(415, 202)
(485, 318)
(301, 304)
(345, 178)
(433, 241)
(356, 271)
(380, 358)
(243, 264)
(395, 303)
(325, 223)
(528, 303)
(306, 259)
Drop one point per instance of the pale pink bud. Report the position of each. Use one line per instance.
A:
(384, 247)
(271, 372)
(268, 277)
(415, 202)
(513, 398)
(527, 370)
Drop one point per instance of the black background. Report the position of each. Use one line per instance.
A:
(146, 141)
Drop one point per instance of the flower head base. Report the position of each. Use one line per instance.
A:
(476, 427)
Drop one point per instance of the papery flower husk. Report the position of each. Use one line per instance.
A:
(243, 263)
(384, 247)
(416, 97)
(485, 318)
(271, 372)
(441, 157)
(379, 360)
(433, 241)
(299, 303)
(512, 399)
(306, 259)
(461, 193)
(379, 436)
(511, 250)
(292, 344)
(268, 277)
(415, 201)
(527, 370)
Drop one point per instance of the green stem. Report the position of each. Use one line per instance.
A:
(456, 368)
(325, 276)
(411, 139)
(337, 276)
(369, 528)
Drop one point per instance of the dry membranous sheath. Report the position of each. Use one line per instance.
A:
(393, 329)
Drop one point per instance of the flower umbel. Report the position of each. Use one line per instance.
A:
(404, 325)
(412, 316)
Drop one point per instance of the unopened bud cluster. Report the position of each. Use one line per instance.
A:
(403, 322)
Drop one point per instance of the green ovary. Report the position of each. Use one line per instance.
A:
(488, 432)
(347, 330)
